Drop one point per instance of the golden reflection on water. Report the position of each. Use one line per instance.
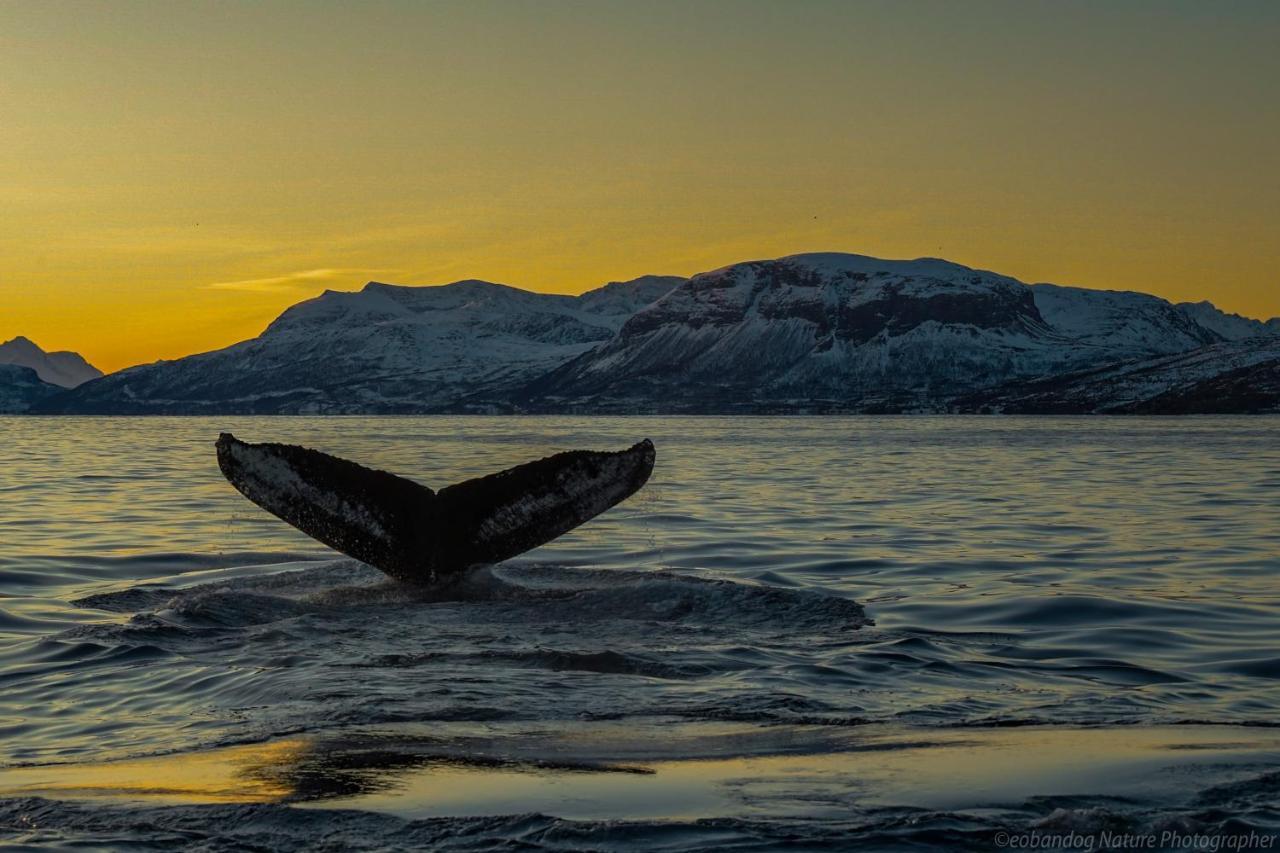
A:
(885, 767)
(218, 776)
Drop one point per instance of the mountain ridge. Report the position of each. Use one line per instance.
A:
(809, 332)
(853, 333)
(388, 348)
(64, 369)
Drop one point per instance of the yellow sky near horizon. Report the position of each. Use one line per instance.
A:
(174, 175)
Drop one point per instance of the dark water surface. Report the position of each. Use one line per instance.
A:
(789, 628)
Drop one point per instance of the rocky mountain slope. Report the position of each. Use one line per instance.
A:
(21, 388)
(1236, 377)
(806, 333)
(64, 369)
(385, 348)
(833, 332)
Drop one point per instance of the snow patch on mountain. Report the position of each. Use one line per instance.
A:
(1231, 327)
(1123, 322)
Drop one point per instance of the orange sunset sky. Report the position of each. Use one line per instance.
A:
(173, 175)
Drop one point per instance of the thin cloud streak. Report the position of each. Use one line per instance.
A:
(290, 281)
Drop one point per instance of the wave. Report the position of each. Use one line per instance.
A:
(546, 592)
(605, 662)
(249, 653)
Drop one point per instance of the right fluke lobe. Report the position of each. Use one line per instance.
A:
(417, 535)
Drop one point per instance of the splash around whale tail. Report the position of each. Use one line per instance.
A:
(418, 535)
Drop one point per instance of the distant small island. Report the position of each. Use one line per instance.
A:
(804, 334)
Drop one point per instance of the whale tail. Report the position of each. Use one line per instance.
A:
(418, 535)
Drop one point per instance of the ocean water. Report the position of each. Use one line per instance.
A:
(804, 633)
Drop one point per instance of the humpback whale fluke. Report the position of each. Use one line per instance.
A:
(417, 535)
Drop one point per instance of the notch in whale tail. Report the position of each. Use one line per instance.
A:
(418, 535)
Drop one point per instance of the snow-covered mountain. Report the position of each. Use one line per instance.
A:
(842, 332)
(806, 333)
(1241, 376)
(1231, 327)
(64, 369)
(624, 298)
(386, 348)
(21, 388)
